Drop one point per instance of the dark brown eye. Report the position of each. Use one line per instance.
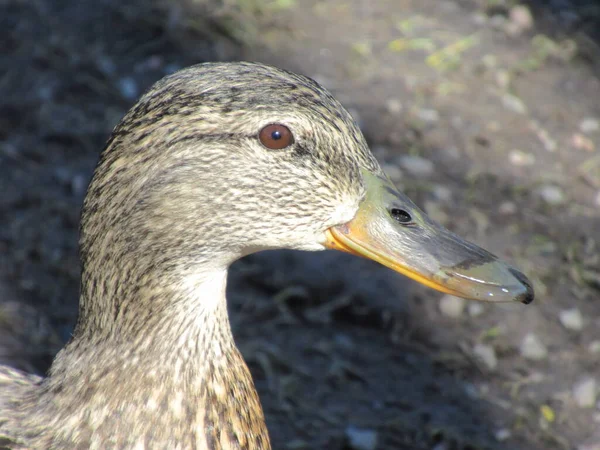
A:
(400, 216)
(276, 136)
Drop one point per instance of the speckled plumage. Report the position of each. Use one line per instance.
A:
(183, 189)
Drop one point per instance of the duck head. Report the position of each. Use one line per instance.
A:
(219, 161)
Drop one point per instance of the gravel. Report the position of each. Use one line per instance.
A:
(584, 393)
(487, 355)
(589, 125)
(361, 438)
(451, 306)
(417, 166)
(552, 195)
(533, 348)
(571, 319)
(475, 309)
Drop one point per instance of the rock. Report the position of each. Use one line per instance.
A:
(548, 142)
(361, 439)
(452, 152)
(441, 192)
(521, 159)
(553, 195)
(503, 79)
(79, 184)
(502, 434)
(507, 208)
(532, 348)
(451, 306)
(394, 106)
(106, 65)
(594, 347)
(428, 115)
(514, 104)
(440, 446)
(571, 319)
(479, 19)
(128, 88)
(520, 20)
(584, 393)
(475, 309)
(417, 166)
(589, 125)
(581, 142)
(487, 355)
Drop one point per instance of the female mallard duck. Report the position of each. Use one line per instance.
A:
(215, 162)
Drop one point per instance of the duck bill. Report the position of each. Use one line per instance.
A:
(390, 229)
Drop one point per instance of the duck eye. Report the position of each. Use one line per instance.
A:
(400, 216)
(276, 136)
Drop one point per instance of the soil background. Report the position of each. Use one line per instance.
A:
(486, 113)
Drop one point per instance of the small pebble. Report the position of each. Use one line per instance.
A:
(553, 195)
(549, 144)
(490, 61)
(479, 19)
(453, 152)
(503, 79)
(532, 348)
(441, 193)
(451, 306)
(589, 125)
(129, 88)
(487, 355)
(571, 319)
(594, 347)
(521, 159)
(514, 104)
(417, 166)
(428, 115)
(106, 65)
(471, 390)
(475, 309)
(507, 208)
(502, 434)
(584, 393)
(79, 184)
(581, 142)
(394, 106)
(361, 439)
(521, 20)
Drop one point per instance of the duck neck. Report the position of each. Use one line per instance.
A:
(173, 371)
(163, 316)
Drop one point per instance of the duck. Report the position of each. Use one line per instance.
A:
(213, 163)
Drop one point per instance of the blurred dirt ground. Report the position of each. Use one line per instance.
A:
(487, 113)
